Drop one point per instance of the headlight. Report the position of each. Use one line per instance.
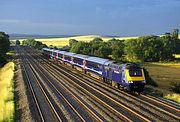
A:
(144, 81)
(130, 81)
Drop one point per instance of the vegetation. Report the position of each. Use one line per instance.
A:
(60, 42)
(18, 42)
(34, 43)
(6, 92)
(174, 97)
(175, 87)
(141, 49)
(165, 74)
(4, 47)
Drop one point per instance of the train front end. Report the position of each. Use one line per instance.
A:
(135, 78)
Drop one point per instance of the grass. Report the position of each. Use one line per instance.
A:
(164, 74)
(177, 55)
(174, 97)
(6, 92)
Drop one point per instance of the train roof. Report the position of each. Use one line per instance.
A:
(46, 49)
(97, 60)
(55, 50)
(61, 52)
(108, 62)
(69, 54)
(80, 56)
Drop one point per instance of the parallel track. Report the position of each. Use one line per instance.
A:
(92, 95)
(41, 113)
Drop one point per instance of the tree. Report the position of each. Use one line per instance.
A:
(175, 33)
(95, 45)
(80, 47)
(117, 48)
(166, 53)
(18, 42)
(104, 50)
(4, 46)
(24, 42)
(4, 43)
(31, 41)
(72, 42)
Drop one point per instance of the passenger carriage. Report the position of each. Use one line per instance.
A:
(128, 76)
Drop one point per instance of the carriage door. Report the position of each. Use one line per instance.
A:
(123, 77)
(110, 73)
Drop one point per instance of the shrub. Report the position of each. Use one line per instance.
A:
(149, 80)
(175, 87)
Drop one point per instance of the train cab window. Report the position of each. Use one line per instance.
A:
(135, 72)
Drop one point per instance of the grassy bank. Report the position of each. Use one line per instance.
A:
(174, 97)
(164, 74)
(7, 92)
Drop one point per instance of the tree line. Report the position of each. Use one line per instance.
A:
(4, 47)
(33, 43)
(142, 49)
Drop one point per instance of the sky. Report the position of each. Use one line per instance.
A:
(89, 17)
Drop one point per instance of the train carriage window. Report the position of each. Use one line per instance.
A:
(93, 65)
(67, 58)
(77, 60)
(59, 55)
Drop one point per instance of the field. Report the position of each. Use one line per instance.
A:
(6, 92)
(60, 42)
(164, 74)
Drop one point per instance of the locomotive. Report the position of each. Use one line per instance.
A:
(128, 76)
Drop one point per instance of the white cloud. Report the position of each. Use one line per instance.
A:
(10, 21)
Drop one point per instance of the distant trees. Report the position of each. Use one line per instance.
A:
(18, 42)
(142, 49)
(34, 43)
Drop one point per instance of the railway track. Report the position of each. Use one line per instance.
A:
(118, 114)
(158, 115)
(44, 110)
(98, 98)
(161, 116)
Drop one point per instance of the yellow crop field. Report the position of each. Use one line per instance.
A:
(60, 42)
(6, 92)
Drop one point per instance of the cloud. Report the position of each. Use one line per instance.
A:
(10, 21)
(45, 25)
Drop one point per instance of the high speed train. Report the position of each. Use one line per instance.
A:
(128, 76)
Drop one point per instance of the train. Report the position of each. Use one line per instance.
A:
(124, 75)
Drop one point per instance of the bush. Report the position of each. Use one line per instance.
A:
(2, 60)
(149, 80)
(175, 87)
